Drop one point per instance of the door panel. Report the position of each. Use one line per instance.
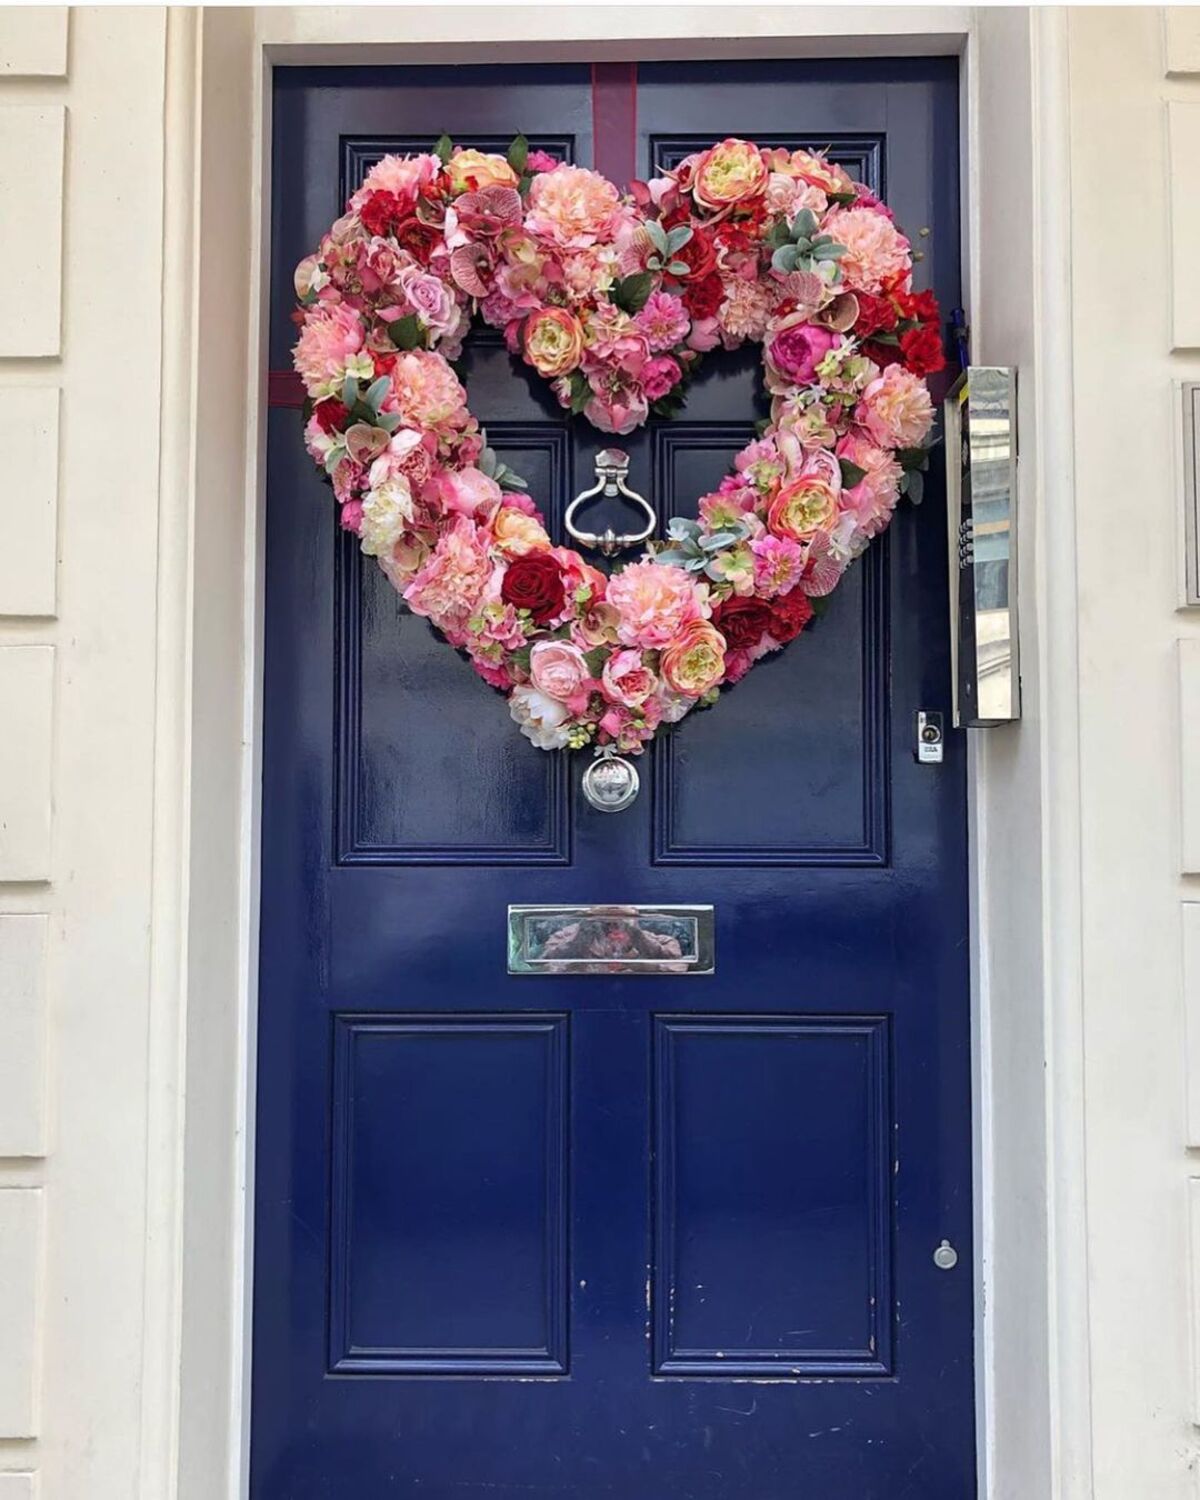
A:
(650, 1238)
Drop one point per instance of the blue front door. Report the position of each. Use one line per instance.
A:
(651, 1238)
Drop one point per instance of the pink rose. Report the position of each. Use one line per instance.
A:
(795, 349)
(430, 298)
(659, 375)
(559, 670)
(626, 679)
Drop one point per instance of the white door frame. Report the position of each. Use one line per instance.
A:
(1033, 1355)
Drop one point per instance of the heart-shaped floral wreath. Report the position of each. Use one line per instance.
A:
(614, 298)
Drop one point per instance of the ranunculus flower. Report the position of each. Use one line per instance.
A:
(694, 661)
(654, 601)
(659, 375)
(626, 679)
(515, 532)
(572, 206)
(540, 717)
(896, 409)
(794, 349)
(469, 169)
(728, 173)
(743, 622)
(535, 582)
(559, 670)
(805, 505)
(553, 341)
(790, 613)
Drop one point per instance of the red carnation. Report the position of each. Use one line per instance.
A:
(381, 211)
(923, 306)
(790, 613)
(922, 349)
(875, 315)
(702, 298)
(743, 622)
(534, 582)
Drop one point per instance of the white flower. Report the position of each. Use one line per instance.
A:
(386, 513)
(541, 718)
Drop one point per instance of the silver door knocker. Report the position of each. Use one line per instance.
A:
(612, 466)
(611, 782)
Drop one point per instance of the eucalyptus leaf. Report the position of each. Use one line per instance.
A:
(719, 539)
(658, 236)
(680, 528)
(388, 420)
(785, 258)
(804, 224)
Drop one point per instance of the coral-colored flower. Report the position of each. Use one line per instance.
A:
(467, 491)
(694, 661)
(873, 499)
(553, 341)
(473, 170)
(453, 578)
(427, 393)
(572, 206)
(654, 602)
(515, 532)
(875, 248)
(730, 172)
(806, 505)
(896, 409)
(627, 679)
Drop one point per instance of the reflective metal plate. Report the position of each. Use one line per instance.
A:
(610, 940)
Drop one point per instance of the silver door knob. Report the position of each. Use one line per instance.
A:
(945, 1257)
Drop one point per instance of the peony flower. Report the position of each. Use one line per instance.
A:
(452, 580)
(559, 670)
(896, 409)
(329, 349)
(540, 717)
(402, 176)
(663, 321)
(873, 499)
(427, 394)
(463, 491)
(778, 564)
(875, 248)
(474, 170)
(793, 350)
(387, 510)
(728, 173)
(746, 309)
(694, 661)
(654, 602)
(626, 679)
(553, 341)
(515, 532)
(806, 505)
(572, 206)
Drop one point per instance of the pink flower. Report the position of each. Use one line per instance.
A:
(618, 402)
(465, 491)
(330, 340)
(875, 248)
(559, 670)
(430, 298)
(626, 679)
(778, 564)
(572, 206)
(705, 335)
(895, 409)
(427, 394)
(793, 351)
(403, 175)
(654, 602)
(727, 173)
(659, 375)
(540, 161)
(663, 321)
(451, 583)
(873, 499)
(747, 306)
(630, 728)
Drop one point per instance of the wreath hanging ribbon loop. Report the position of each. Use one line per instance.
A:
(611, 468)
(615, 299)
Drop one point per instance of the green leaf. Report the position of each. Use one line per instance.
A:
(375, 393)
(681, 528)
(841, 199)
(913, 458)
(804, 224)
(518, 154)
(658, 236)
(914, 486)
(719, 539)
(852, 474)
(595, 659)
(443, 149)
(820, 603)
(581, 392)
(679, 268)
(507, 480)
(406, 332)
(678, 237)
(676, 559)
(349, 391)
(785, 258)
(388, 420)
(824, 249)
(631, 292)
(521, 657)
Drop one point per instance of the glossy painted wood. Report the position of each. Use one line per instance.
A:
(649, 1238)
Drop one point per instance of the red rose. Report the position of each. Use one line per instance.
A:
(702, 298)
(922, 349)
(875, 315)
(535, 583)
(790, 613)
(698, 255)
(331, 416)
(743, 622)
